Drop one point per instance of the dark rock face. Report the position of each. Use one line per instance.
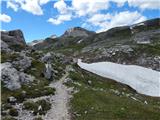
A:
(13, 38)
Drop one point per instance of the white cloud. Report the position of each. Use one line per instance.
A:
(105, 22)
(85, 7)
(61, 7)
(78, 8)
(31, 6)
(120, 3)
(91, 12)
(142, 4)
(145, 4)
(59, 19)
(42, 2)
(99, 18)
(12, 5)
(65, 13)
(5, 18)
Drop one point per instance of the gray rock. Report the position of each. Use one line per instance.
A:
(48, 72)
(5, 47)
(23, 63)
(12, 99)
(47, 57)
(12, 78)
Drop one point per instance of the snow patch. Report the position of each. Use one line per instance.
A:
(143, 80)
(79, 41)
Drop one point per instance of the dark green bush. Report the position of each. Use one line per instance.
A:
(13, 112)
(38, 118)
(9, 118)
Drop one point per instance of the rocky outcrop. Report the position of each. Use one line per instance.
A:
(13, 38)
(47, 57)
(146, 37)
(4, 47)
(22, 63)
(12, 78)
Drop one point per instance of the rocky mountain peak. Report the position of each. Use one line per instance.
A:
(77, 31)
(53, 36)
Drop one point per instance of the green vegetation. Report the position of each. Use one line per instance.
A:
(33, 106)
(8, 57)
(32, 91)
(8, 118)
(36, 68)
(104, 99)
(38, 118)
(13, 112)
(17, 47)
(150, 49)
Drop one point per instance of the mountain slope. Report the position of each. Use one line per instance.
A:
(31, 76)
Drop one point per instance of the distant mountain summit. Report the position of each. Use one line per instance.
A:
(77, 31)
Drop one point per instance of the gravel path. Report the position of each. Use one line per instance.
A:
(59, 101)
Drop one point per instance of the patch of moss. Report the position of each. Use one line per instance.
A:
(5, 57)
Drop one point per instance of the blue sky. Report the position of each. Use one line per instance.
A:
(39, 19)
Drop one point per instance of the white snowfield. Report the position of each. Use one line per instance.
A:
(143, 80)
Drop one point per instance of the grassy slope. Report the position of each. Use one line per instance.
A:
(105, 99)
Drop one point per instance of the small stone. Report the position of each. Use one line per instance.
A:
(85, 112)
(145, 102)
(12, 99)
(90, 82)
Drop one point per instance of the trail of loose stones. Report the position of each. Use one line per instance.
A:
(60, 102)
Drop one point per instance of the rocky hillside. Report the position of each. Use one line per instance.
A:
(25, 75)
(37, 75)
(136, 44)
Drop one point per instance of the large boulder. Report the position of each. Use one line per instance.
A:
(47, 57)
(12, 78)
(48, 72)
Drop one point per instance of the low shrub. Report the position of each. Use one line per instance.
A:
(13, 112)
(33, 106)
